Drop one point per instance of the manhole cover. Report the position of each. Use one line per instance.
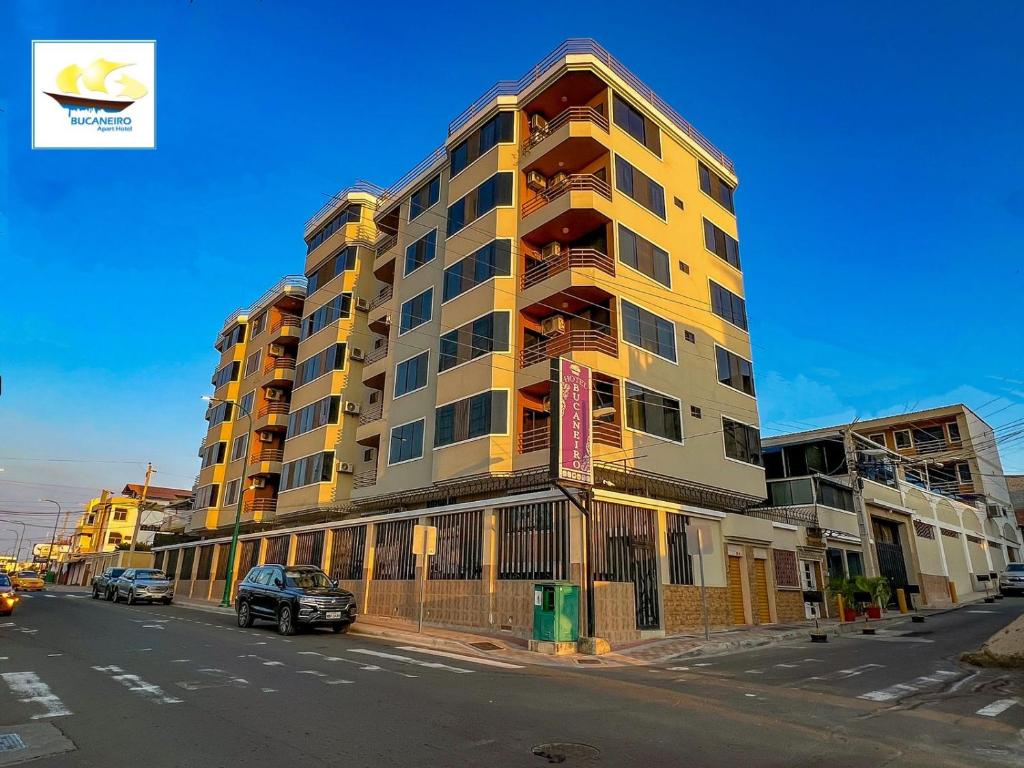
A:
(10, 742)
(561, 752)
(588, 661)
(486, 646)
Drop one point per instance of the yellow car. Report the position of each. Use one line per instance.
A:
(28, 581)
(7, 597)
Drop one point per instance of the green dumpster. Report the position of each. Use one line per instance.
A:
(556, 614)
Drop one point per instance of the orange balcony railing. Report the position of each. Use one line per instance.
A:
(285, 320)
(570, 115)
(277, 363)
(577, 182)
(535, 439)
(573, 258)
(260, 505)
(267, 454)
(272, 407)
(607, 433)
(572, 341)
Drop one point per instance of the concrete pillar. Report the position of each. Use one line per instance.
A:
(368, 555)
(325, 560)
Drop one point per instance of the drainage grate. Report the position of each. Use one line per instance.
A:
(486, 646)
(10, 742)
(561, 752)
(588, 661)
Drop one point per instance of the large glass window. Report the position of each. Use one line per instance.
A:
(721, 244)
(349, 214)
(411, 374)
(318, 468)
(314, 416)
(213, 454)
(421, 252)
(416, 311)
(493, 260)
(485, 334)
(228, 373)
(498, 130)
(424, 197)
(323, 362)
(207, 496)
(635, 184)
(734, 371)
(647, 330)
(342, 261)
(652, 412)
(482, 414)
(742, 442)
(219, 413)
(636, 124)
(714, 185)
(644, 256)
(406, 442)
(337, 308)
(496, 191)
(728, 306)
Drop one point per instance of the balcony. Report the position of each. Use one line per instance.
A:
(577, 182)
(259, 509)
(371, 413)
(607, 433)
(582, 115)
(375, 367)
(271, 416)
(266, 461)
(377, 354)
(365, 478)
(539, 438)
(285, 328)
(378, 316)
(571, 341)
(573, 258)
(279, 371)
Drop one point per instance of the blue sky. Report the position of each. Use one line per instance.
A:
(881, 203)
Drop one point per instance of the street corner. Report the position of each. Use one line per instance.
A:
(31, 741)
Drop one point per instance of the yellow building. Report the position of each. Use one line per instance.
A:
(108, 521)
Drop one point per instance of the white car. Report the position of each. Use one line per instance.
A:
(1011, 581)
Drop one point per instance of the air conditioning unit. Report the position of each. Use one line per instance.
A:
(362, 305)
(558, 179)
(551, 250)
(259, 482)
(356, 354)
(351, 407)
(345, 468)
(275, 394)
(536, 181)
(266, 437)
(553, 326)
(276, 350)
(538, 123)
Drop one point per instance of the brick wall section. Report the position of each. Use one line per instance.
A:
(683, 609)
(789, 604)
(513, 600)
(934, 590)
(463, 603)
(615, 610)
(393, 598)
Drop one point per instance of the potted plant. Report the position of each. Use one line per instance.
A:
(840, 586)
(879, 591)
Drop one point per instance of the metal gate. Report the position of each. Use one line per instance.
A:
(623, 548)
(891, 563)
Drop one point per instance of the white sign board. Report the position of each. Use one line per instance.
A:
(699, 539)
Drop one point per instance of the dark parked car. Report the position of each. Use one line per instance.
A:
(1011, 581)
(149, 584)
(103, 583)
(294, 597)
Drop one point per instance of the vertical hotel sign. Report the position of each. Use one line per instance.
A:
(572, 447)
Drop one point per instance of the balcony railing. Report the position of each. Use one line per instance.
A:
(365, 479)
(376, 354)
(267, 454)
(572, 341)
(930, 446)
(386, 245)
(607, 433)
(577, 182)
(260, 505)
(573, 258)
(279, 363)
(371, 413)
(534, 439)
(285, 320)
(571, 115)
(273, 407)
(382, 297)
(805, 517)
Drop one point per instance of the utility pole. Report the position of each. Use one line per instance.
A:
(138, 513)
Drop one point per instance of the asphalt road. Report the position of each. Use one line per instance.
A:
(170, 686)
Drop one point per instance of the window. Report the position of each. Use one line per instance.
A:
(416, 311)
(715, 186)
(690, 337)
(496, 191)
(343, 261)
(498, 130)
(476, 416)
(644, 256)
(421, 252)
(742, 442)
(493, 260)
(728, 306)
(648, 331)
(219, 413)
(424, 197)
(232, 337)
(238, 447)
(954, 432)
(337, 308)
(854, 564)
(252, 363)
(406, 442)
(634, 184)
(878, 437)
(696, 412)
(411, 374)
(651, 412)
(120, 513)
(901, 438)
(314, 416)
(330, 359)
(228, 373)
(636, 124)
(318, 468)
(923, 530)
(207, 496)
(114, 538)
(786, 572)
(963, 473)
(475, 339)
(721, 244)
(231, 492)
(349, 214)
(258, 325)
(213, 454)
(734, 371)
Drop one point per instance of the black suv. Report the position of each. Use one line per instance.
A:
(294, 596)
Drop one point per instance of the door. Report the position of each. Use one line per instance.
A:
(891, 562)
(736, 612)
(809, 582)
(623, 550)
(761, 604)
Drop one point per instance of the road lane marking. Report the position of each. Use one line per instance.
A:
(845, 674)
(179, 661)
(409, 660)
(755, 671)
(265, 662)
(311, 672)
(678, 669)
(52, 655)
(787, 666)
(461, 657)
(152, 626)
(980, 611)
(32, 690)
(997, 707)
(363, 666)
(904, 689)
(135, 684)
(43, 595)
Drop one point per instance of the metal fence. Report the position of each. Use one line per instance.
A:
(459, 552)
(172, 563)
(188, 557)
(347, 548)
(394, 559)
(158, 560)
(277, 550)
(533, 541)
(205, 562)
(680, 564)
(309, 548)
(222, 562)
(248, 555)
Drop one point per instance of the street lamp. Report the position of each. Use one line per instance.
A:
(21, 536)
(53, 538)
(225, 600)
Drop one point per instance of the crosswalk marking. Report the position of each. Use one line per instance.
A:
(904, 689)
(135, 684)
(845, 674)
(32, 690)
(997, 707)
(408, 660)
(460, 657)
